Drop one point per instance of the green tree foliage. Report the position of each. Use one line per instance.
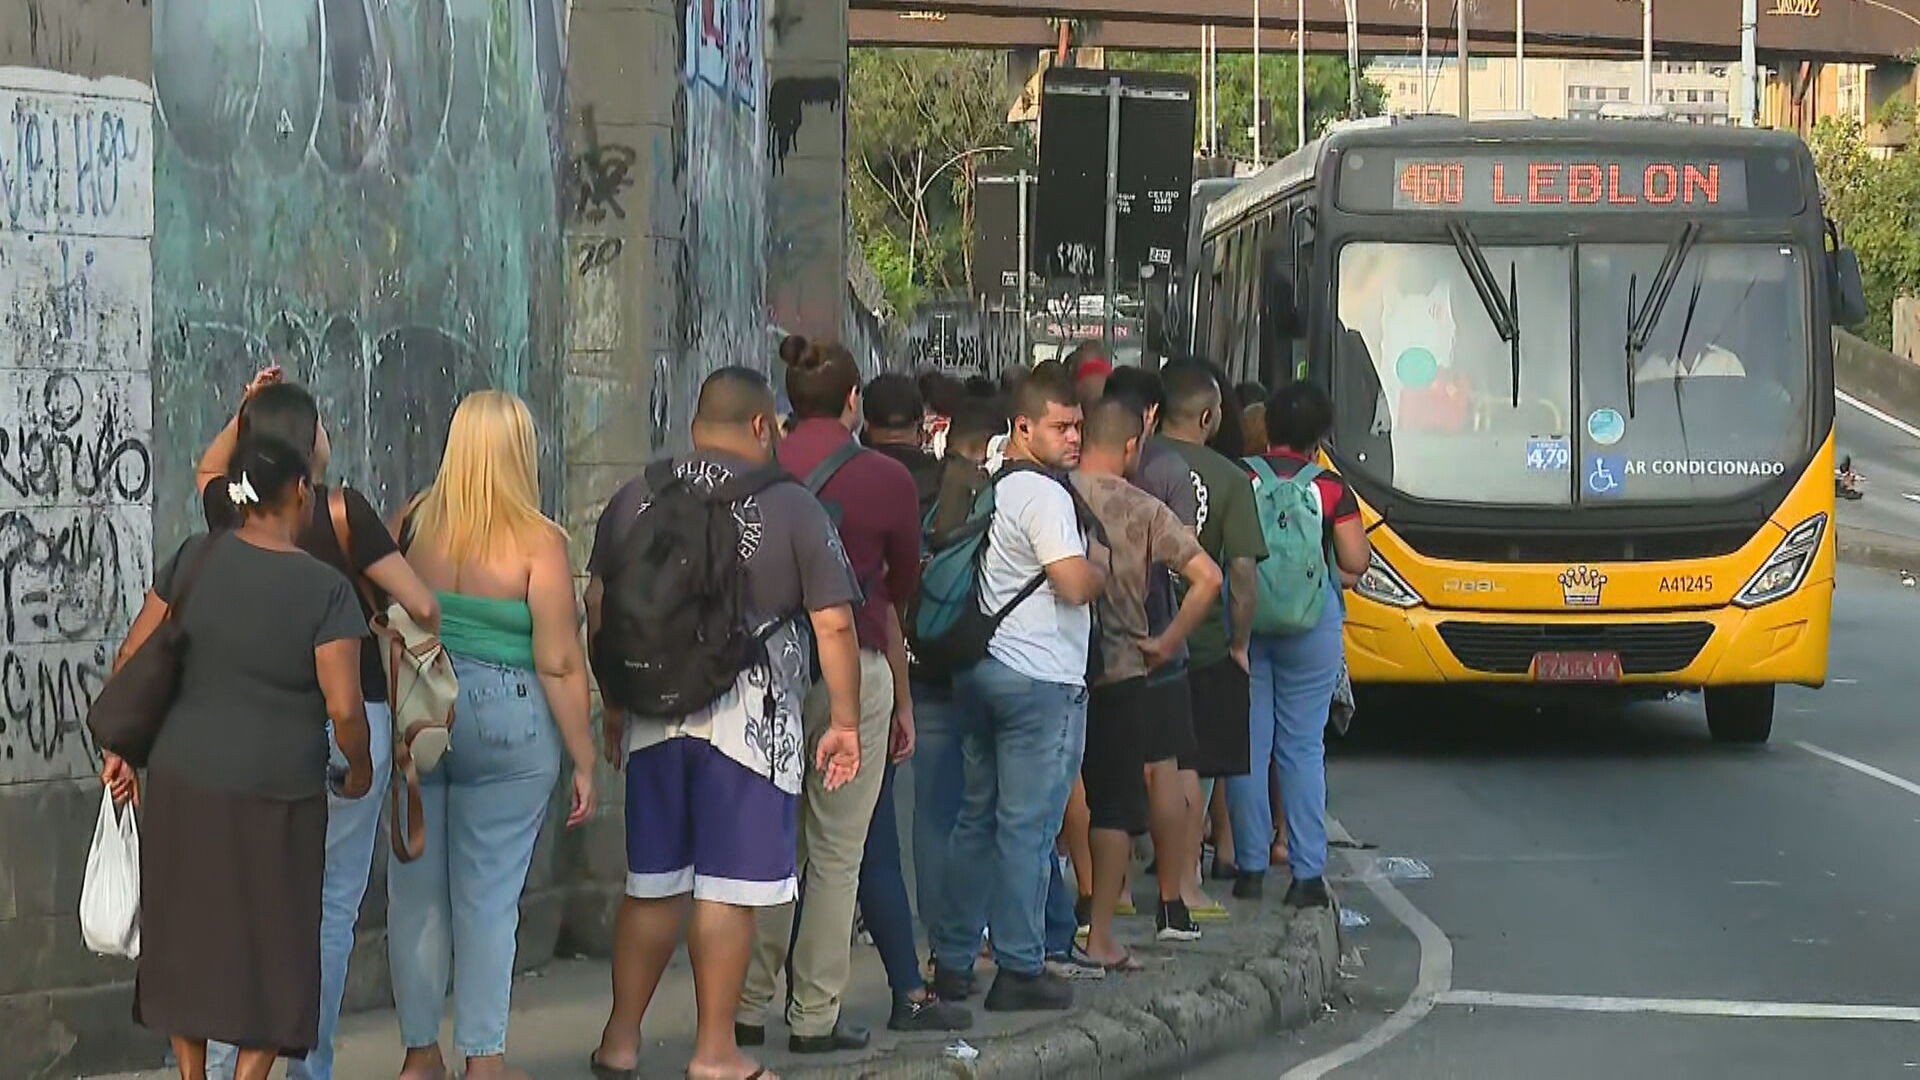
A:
(909, 111)
(1327, 87)
(1877, 203)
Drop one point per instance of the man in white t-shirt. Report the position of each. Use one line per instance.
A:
(1023, 710)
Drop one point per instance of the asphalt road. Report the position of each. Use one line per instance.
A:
(1624, 861)
(1889, 459)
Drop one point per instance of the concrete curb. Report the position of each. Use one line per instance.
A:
(1279, 990)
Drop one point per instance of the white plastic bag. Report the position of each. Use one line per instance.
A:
(110, 895)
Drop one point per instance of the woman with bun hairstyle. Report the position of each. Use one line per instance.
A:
(510, 619)
(874, 503)
(235, 803)
(284, 410)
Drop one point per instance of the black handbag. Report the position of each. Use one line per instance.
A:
(127, 716)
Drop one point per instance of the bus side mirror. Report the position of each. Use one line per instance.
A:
(1849, 291)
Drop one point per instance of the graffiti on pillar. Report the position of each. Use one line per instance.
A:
(76, 404)
(371, 193)
(721, 279)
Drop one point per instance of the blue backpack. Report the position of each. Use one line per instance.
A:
(947, 632)
(1293, 576)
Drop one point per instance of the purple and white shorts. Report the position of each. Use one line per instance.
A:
(700, 822)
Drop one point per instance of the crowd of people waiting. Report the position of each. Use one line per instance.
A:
(1155, 644)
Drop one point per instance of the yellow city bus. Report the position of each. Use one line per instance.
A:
(1582, 377)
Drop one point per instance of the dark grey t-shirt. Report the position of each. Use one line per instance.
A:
(794, 563)
(1164, 475)
(250, 717)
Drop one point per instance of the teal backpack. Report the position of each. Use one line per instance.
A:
(946, 630)
(1293, 576)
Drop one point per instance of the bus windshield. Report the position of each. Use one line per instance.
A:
(1431, 401)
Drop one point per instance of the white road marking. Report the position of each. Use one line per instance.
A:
(1910, 496)
(1756, 884)
(1890, 421)
(1764, 1010)
(1862, 768)
(1436, 978)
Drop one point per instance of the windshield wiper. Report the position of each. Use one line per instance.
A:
(1500, 309)
(1645, 315)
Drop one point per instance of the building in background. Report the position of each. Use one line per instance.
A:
(1694, 92)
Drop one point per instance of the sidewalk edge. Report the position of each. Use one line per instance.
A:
(1281, 990)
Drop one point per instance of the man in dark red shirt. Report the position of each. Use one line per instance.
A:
(872, 500)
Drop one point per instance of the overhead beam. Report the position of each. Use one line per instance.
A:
(1035, 32)
(1835, 30)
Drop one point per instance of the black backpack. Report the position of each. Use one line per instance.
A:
(673, 631)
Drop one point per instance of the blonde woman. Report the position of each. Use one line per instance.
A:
(509, 618)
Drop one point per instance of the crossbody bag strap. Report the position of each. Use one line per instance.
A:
(343, 535)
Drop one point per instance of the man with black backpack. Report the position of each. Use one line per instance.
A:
(703, 571)
(1023, 707)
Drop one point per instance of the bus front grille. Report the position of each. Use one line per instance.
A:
(1509, 648)
(1464, 545)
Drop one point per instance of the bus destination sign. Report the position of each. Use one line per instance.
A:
(1496, 184)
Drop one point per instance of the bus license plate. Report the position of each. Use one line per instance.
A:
(1576, 667)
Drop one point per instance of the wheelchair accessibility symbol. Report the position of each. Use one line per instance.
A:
(1606, 474)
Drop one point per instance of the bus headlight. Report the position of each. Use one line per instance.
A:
(1382, 586)
(1787, 567)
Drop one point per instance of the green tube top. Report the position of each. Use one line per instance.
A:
(486, 629)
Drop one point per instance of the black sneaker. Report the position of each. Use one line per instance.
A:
(1308, 893)
(1044, 992)
(1249, 886)
(1176, 922)
(949, 985)
(929, 1014)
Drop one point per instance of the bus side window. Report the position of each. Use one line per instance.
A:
(1244, 353)
(1206, 285)
(1226, 305)
(1283, 302)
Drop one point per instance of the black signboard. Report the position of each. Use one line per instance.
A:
(1155, 173)
(996, 235)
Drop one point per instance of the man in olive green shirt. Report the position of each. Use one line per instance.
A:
(1229, 531)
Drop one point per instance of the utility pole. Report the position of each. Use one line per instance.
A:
(1206, 67)
(1113, 212)
(1463, 21)
(1646, 52)
(1353, 57)
(1426, 68)
(1749, 63)
(1256, 82)
(1026, 350)
(1520, 54)
(1300, 75)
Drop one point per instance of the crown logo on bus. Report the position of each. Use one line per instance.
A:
(1580, 586)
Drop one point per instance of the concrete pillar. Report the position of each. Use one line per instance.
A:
(807, 150)
(76, 152)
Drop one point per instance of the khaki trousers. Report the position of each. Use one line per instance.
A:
(833, 835)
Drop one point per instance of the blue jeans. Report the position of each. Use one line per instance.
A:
(883, 896)
(353, 827)
(1063, 923)
(1022, 740)
(1292, 689)
(454, 912)
(939, 787)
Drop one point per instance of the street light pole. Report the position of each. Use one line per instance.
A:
(920, 195)
(1300, 74)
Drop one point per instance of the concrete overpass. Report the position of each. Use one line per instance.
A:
(1841, 31)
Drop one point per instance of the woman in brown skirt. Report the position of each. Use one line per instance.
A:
(235, 813)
